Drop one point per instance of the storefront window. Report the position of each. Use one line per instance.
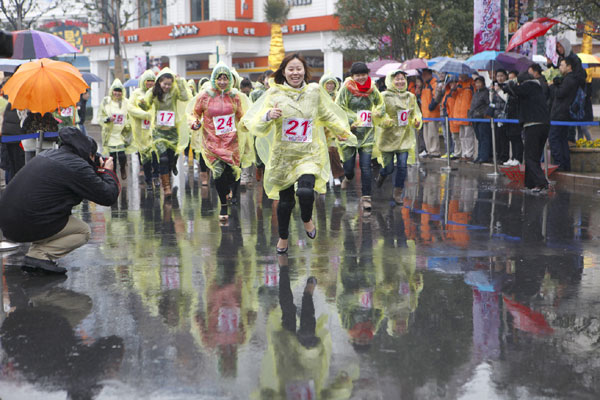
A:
(200, 10)
(153, 12)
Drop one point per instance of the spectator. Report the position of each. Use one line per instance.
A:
(81, 110)
(534, 116)
(12, 151)
(498, 102)
(36, 205)
(464, 94)
(448, 109)
(564, 94)
(430, 109)
(483, 132)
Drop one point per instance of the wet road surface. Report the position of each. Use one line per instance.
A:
(472, 289)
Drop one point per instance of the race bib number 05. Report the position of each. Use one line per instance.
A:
(145, 124)
(66, 112)
(118, 119)
(298, 130)
(366, 117)
(224, 124)
(402, 117)
(165, 118)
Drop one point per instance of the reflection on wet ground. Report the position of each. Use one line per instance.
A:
(472, 289)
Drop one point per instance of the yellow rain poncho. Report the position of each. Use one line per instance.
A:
(192, 86)
(169, 123)
(397, 135)
(295, 145)
(364, 111)
(323, 82)
(222, 141)
(116, 133)
(141, 120)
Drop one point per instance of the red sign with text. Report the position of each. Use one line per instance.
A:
(244, 9)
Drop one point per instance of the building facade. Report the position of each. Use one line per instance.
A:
(189, 35)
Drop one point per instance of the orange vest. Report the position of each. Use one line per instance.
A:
(464, 94)
(426, 97)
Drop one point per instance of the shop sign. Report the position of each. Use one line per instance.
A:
(71, 34)
(293, 28)
(183, 30)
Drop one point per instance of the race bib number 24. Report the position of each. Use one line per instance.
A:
(224, 124)
(298, 130)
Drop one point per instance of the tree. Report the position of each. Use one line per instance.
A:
(276, 13)
(403, 29)
(582, 16)
(23, 14)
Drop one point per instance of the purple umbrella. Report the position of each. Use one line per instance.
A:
(415, 63)
(514, 61)
(375, 65)
(33, 45)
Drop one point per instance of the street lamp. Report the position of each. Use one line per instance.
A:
(147, 47)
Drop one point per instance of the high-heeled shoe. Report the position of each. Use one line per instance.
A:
(312, 234)
(282, 251)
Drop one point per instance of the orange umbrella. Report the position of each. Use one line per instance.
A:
(45, 85)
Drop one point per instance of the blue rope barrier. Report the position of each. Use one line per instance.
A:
(18, 138)
(516, 121)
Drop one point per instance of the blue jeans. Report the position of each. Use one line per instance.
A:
(401, 169)
(483, 133)
(364, 160)
(559, 146)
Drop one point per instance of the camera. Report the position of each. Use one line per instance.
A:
(98, 160)
(6, 44)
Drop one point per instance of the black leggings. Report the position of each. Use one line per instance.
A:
(167, 161)
(121, 157)
(226, 183)
(287, 202)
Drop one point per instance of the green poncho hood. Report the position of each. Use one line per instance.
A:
(221, 69)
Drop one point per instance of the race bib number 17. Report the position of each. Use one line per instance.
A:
(224, 124)
(298, 130)
(402, 117)
(165, 118)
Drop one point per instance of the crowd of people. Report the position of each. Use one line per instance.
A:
(300, 136)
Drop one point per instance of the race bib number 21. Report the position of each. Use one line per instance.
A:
(298, 130)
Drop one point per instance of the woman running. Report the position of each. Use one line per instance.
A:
(396, 142)
(222, 144)
(170, 133)
(364, 107)
(142, 132)
(289, 116)
(332, 86)
(116, 129)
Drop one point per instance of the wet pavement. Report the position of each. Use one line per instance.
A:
(473, 289)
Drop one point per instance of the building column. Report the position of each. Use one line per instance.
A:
(98, 89)
(177, 64)
(334, 63)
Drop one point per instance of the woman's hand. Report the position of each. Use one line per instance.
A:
(275, 113)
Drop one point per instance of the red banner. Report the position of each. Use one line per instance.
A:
(486, 26)
(244, 9)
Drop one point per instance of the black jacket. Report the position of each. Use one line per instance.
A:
(37, 202)
(532, 102)
(11, 125)
(564, 94)
(479, 103)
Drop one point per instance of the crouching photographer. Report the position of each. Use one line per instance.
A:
(36, 204)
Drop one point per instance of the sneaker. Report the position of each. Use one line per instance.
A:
(423, 153)
(507, 163)
(45, 265)
(336, 182)
(397, 196)
(366, 203)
